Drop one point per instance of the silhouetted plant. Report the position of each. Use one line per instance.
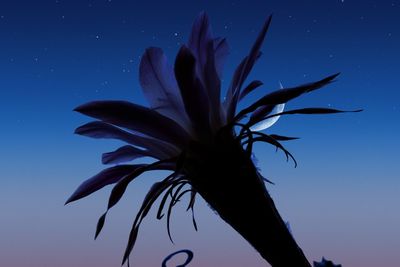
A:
(207, 145)
(325, 263)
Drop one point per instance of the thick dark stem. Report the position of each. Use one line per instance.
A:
(228, 181)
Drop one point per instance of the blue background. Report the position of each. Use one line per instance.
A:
(342, 201)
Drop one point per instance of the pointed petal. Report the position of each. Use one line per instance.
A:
(159, 85)
(255, 51)
(137, 118)
(105, 177)
(284, 95)
(268, 139)
(202, 47)
(213, 87)
(245, 69)
(309, 111)
(124, 154)
(260, 113)
(192, 91)
(100, 224)
(233, 91)
(99, 129)
(199, 39)
(249, 88)
(151, 196)
(269, 121)
(221, 52)
(119, 189)
(282, 138)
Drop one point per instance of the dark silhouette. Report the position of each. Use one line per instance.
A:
(206, 144)
(325, 263)
(189, 254)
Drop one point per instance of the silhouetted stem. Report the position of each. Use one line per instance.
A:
(228, 181)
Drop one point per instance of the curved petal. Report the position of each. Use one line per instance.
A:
(137, 118)
(199, 39)
(221, 51)
(266, 123)
(250, 88)
(285, 95)
(103, 178)
(99, 129)
(202, 46)
(159, 86)
(243, 71)
(124, 154)
(194, 97)
(309, 111)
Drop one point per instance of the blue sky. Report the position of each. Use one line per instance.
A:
(342, 200)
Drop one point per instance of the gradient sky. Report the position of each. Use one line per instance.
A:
(343, 199)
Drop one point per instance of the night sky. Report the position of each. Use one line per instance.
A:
(342, 201)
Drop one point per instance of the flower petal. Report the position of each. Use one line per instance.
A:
(202, 46)
(309, 111)
(221, 51)
(103, 178)
(159, 85)
(99, 129)
(212, 84)
(244, 70)
(137, 118)
(284, 95)
(199, 39)
(249, 88)
(124, 154)
(282, 138)
(194, 97)
(151, 196)
(269, 121)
